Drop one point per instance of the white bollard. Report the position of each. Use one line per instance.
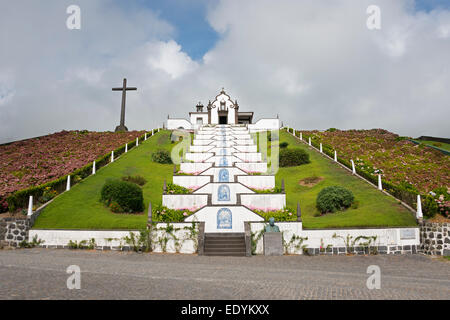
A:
(112, 156)
(68, 183)
(145, 136)
(126, 148)
(137, 142)
(93, 167)
(30, 206)
(309, 141)
(293, 132)
(353, 166)
(321, 148)
(380, 185)
(158, 129)
(152, 131)
(301, 136)
(335, 155)
(419, 214)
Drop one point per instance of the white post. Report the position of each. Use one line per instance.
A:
(353, 166)
(112, 156)
(137, 142)
(301, 136)
(126, 148)
(335, 155)
(30, 206)
(380, 186)
(309, 141)
(293, 131)
(152, 131)
(321, 148)
(419, 214)
(145, 137)
(93, 167)
(158, 129)
(68, 183)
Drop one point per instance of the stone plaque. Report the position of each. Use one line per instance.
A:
(407, 233)
(273, 244)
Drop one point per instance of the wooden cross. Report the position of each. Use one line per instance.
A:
(124, 90)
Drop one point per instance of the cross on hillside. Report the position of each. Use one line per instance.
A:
(124, 90)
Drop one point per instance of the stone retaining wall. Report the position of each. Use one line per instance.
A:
(13, 231)
(435, 238)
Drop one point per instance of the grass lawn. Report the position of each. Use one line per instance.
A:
(80, 208)
(440, 145)
(375, 208)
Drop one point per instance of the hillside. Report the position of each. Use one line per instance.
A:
(39, 160)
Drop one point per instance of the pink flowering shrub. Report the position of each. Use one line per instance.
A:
(40, 160)
(286, 214)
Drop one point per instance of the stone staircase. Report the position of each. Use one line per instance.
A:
(224, 168)
(224, 244)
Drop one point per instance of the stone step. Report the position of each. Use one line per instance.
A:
(224, 244)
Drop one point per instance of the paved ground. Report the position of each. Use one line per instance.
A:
(41, 274)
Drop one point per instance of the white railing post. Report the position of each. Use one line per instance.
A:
(309, 141)
(112, 156)
(419, 213)
(126, 148)
(353, 166)
(380, 185)
(335, 156)
(137, 142)
(93, 167)
(321, 148)
(30, 206)
(301, 136)
(68, 183)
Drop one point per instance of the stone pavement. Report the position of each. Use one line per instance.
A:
(41, 274)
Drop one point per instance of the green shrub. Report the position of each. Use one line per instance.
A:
(139, 180)
(161, 213)
(334, 198)
(123, 194)
(162, 156)
(293, 157)
(176, 189)
(284, 144)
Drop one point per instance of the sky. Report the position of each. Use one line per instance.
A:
(313, 63)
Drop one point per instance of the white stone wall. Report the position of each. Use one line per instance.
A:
(252, 166)
(264, 124)
(185, 201)
(114, 239)
(173, 124)
(193, 167)
(260, 201)
(191, 181)
(239, 215)
(392, 240)
(257, 182)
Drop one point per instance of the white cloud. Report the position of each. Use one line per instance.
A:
(314, 63)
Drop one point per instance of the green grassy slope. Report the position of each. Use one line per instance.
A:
(375, 208)
(80, 207)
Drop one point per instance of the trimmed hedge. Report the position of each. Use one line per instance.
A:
(122, 196)
(293, 157)
(20, 198)
(334, 198)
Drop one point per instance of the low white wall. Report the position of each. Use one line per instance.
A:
(194, 167)
(231, 172)
(264, 124)
(198, 156)
(252, 166)
(261, 201)
(173, 124)
(248, 156)
(114, 239)
(259, 182)
(239, 216)
(246, 148)
(389, 237)
(191, 181)
(185, 201)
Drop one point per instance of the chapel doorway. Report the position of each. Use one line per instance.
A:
(223, 119)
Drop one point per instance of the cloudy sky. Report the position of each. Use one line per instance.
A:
(315, 63)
